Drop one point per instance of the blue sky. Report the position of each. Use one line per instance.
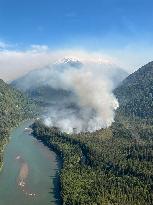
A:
(36, 32)
(93, 24)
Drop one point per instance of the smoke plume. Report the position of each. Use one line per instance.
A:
(81, 97)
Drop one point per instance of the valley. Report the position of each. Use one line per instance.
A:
(113, 165)
(76, 102)
(30, 171)
(108, 166)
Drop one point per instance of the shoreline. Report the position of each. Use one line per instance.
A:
(60, 161)
(2, 154)
(21, 181)
(8, 138)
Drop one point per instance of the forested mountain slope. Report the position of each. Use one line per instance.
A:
(14, 107)
(135, 94)
(114, 165)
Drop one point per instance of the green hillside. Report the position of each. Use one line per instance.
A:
(112, 166)
(44, 96)
(135, 94)
(14, 107)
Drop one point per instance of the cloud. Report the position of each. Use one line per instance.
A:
(3, 45)
(39, 48)
(14, 63)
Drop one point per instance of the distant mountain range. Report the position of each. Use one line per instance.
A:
(37, 78)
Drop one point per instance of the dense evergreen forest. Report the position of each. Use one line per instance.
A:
(14, 107)
(135, 94)
(112, 166)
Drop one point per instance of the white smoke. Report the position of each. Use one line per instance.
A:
(87, 104)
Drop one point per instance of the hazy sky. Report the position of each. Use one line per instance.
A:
(119, 29)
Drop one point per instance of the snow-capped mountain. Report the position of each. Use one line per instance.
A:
(50, 74)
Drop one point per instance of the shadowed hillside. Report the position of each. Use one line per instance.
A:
(14, 107)
(135, 94)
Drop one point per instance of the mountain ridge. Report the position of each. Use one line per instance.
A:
(135, 93)
(116, 74)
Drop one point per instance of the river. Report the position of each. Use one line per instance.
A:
(29, 174)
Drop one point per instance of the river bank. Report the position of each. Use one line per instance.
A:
(33, 168)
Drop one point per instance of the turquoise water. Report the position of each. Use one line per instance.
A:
(29, 174)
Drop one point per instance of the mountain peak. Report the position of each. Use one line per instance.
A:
(74, 62)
